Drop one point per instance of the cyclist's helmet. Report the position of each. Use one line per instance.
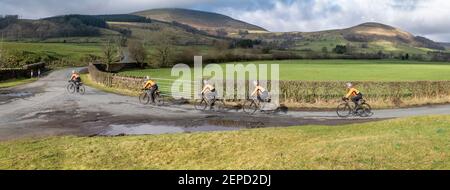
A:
(205, 82)
(349, 85)
(147, 78)
(255, 83)
(73, 71)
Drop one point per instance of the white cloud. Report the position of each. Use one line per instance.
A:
(46, 8)
(429, 18)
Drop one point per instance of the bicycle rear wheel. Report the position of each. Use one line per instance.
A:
(250, 107)
(344, 110)
(144, 98)
(200, 104)
(81, 90)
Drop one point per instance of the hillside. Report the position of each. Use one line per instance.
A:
(363, 38)
(373, 32)
(213, 23)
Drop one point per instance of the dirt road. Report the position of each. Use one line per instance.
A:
(44, 108)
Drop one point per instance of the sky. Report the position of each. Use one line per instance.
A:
(429, 18)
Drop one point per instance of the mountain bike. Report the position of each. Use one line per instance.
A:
(213, 104)
(345, 109)
(73, 87)
(252, 105)
(146, 96)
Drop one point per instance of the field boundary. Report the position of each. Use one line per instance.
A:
(324, 94)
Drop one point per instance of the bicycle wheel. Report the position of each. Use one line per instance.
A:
(81, 90)
(200, 104)
(343, 110)
(159, 100)
(250, 106)
(219, 106)
(144, 98)
(365, 110)
(71, 88)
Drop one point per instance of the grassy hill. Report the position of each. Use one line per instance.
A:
(227, 38)
(206, 21)
(363, 38)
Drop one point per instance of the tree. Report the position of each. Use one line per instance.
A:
(110, 53)
(2, 53)
(324, 50)
(137, 52)
(340, 49)
(163, 49)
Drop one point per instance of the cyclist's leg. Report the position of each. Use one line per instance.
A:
(152, 93)
(77, 83)
(356, 100)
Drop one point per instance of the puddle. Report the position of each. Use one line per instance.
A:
(147, 129)
(16, 94)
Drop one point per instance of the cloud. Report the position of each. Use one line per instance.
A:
(46, 8)
(429, 18)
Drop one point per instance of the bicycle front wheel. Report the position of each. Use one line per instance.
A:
(71, 88)
(344, 110)
(219, 106)
(365, 110)
(250, 107)
(159, 100)
(144, 98)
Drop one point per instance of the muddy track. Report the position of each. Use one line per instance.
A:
(44, 108)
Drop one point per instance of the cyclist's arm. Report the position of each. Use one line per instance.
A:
(254, 92)
(204, 89)
(146, 85)
(349, 93)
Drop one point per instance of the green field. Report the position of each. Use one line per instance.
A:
(411, 143)
(340, 70)
(15, 82)
(70, 51)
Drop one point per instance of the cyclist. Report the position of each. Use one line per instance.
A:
(151, 86)
(261, 93)
(209, 91)
(76, 79)
(354, 93)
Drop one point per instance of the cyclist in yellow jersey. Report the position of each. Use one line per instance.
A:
(209, 91)
(151, 86)
(76, 79)
(261, 93)
(354, 94)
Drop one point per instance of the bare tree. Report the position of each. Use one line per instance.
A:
(163, 47)
(137, 52)
(110, 53)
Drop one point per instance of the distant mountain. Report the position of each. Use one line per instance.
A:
(372, 32)
(213, 23)
(445, 44)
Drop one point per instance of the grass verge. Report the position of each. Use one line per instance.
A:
(410, 143)
(16, 82)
